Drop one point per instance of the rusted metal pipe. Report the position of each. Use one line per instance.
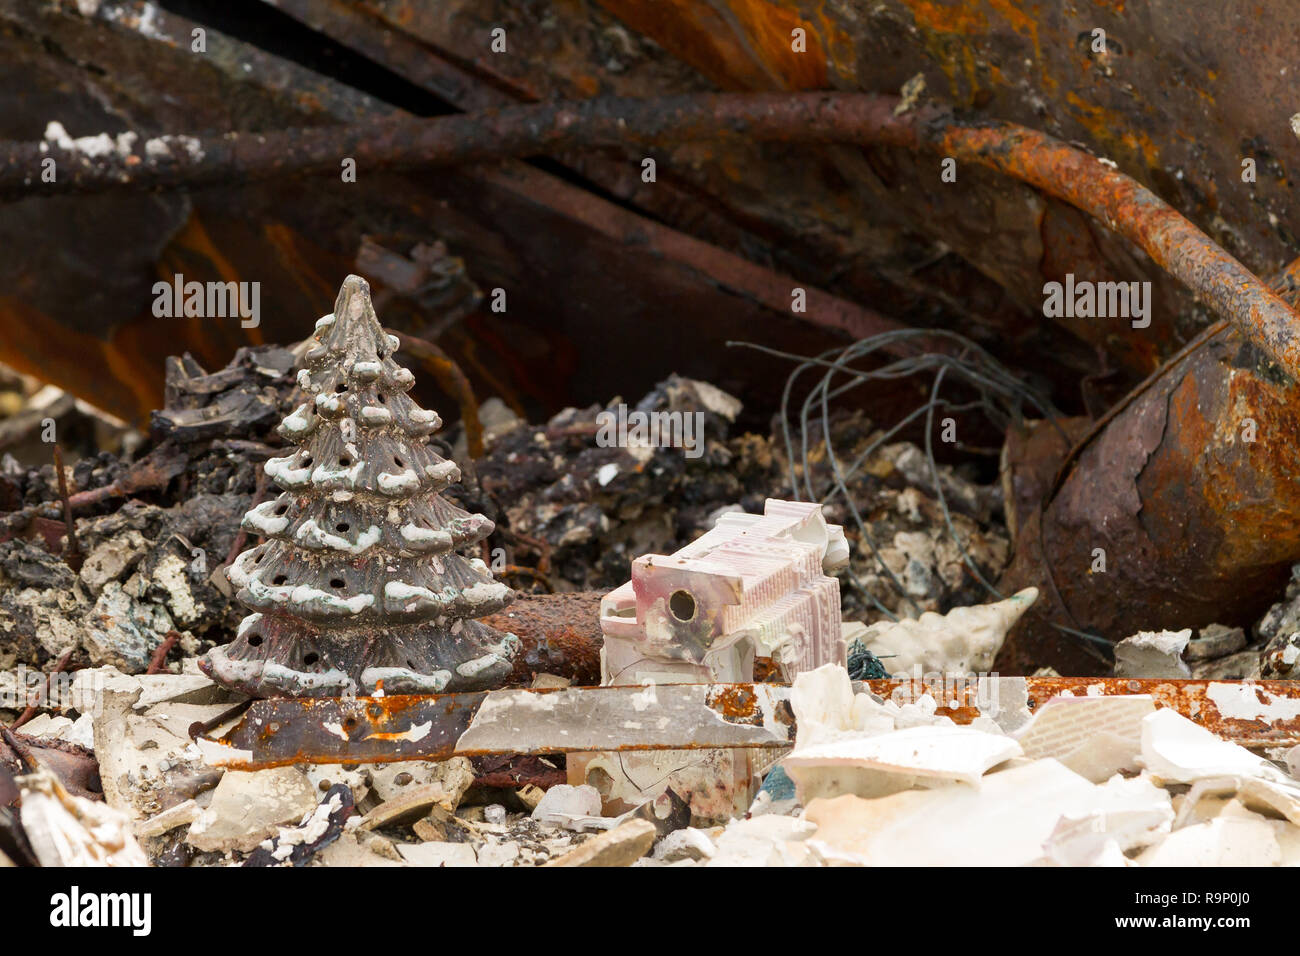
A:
(1069, 174)
(452, 380)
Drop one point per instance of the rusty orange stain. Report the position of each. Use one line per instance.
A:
(1114, 131)
(744, 46)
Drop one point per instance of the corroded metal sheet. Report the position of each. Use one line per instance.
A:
(669, 716)
(1256, 714)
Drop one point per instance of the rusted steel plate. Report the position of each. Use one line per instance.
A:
(682, 717)
(1175, 511)
(365, 730)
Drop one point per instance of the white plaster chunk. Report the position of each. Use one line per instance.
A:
(1126, 813)
(376, 415)
(963, 641)
(247, 808)
(1094, 736)
(768, 840)
(438, 854)
(66, 830)
(1176, 750)
(570, 807)
(1223, 841)
(1005, 822)
(1153, 654)
(938, 753)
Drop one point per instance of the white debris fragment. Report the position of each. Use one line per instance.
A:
(1096, 737)
(570, 807)
(687, 843)
(1153, 654)
(1224, 841)
(963, 641)
(247, 808)
(871, 766)
(438, 854)
(1005, 822)
(66, 830)
(1176, 750)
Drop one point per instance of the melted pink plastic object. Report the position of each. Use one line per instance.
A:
(756, 586)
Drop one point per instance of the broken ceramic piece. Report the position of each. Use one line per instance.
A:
(872, 766)
(359, 585)
(1176, 750)
(1096, 737)
(1005, 822)
(66, 830)
(247, 808)
(687, 843)
(569, 807)
(1153, 654)
(963, 641)
(1227, 840)
(768, 840)
(1124, 814)
(1280, 797)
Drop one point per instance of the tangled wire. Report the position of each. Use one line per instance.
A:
(1001, 397)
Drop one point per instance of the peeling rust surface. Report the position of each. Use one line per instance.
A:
(560, 635)
(1176, 512)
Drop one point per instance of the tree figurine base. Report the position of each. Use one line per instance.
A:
(357, 587)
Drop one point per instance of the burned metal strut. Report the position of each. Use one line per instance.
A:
(1116, 200)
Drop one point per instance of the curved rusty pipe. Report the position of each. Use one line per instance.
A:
(1060, 170)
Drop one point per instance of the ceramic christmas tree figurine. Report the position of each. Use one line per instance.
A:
(358, 583)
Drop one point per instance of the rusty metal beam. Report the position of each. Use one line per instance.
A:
(674, 717)
(1056, 168)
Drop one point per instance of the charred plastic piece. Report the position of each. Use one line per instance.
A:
(358, 585)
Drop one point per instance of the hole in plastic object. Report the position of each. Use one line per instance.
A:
(682, 605)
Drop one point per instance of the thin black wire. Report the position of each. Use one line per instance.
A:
(1002, 399)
